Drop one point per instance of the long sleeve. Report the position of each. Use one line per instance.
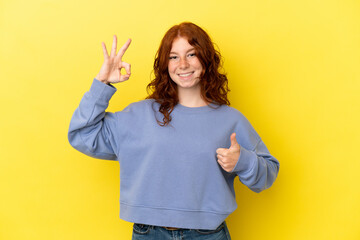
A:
(92, 129)
(256, 167)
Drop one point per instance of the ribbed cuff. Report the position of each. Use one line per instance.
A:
(101, 90)
(246, 161)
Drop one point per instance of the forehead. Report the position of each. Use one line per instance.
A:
(180, 44)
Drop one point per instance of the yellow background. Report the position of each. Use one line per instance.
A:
(293, 69)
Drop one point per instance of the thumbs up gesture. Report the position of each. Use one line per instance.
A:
(228, 157)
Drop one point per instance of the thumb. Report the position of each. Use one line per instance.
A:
(234, 143)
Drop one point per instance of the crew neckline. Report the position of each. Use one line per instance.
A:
(207, 108)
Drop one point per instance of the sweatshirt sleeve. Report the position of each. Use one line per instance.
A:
(92, 129)
(256, 167)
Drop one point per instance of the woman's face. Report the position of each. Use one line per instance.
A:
(184, 66)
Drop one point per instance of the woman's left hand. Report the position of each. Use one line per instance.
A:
(228, 157)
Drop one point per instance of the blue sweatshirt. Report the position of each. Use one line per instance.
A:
(169, 176)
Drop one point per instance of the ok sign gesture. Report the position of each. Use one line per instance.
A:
(110, 71)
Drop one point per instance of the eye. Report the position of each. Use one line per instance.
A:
(172, 57)
(192, 54)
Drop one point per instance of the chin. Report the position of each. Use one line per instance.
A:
(189, 86)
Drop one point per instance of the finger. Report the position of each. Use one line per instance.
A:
(127, 67)
(220, 162)
(113, 49)
(222, 165)
(124, 77)
(221, 151)
(123, 48)
(220, 157)
(233, 140)
(104, 50)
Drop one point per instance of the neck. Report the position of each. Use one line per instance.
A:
(191, 98)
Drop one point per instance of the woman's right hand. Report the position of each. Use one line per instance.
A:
(110, 71)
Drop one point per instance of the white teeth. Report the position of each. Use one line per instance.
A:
(185, 74)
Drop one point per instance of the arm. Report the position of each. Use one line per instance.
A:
(249, 158)
(256, 167)
(91, 128)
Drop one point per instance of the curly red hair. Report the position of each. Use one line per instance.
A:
(214, 85)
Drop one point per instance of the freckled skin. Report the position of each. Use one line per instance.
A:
(183, 60)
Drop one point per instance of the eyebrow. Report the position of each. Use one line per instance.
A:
(186, 51)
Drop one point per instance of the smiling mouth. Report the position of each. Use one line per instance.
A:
(185, 74)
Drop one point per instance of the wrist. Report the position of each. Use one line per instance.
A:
(101, 80)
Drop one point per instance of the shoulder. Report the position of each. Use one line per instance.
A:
(232, 112)
(140, 105)
(232, 115)
(139, 109)
(242, 124)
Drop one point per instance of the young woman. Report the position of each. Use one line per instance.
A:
(179, 149)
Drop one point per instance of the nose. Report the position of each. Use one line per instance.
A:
(183, 63)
